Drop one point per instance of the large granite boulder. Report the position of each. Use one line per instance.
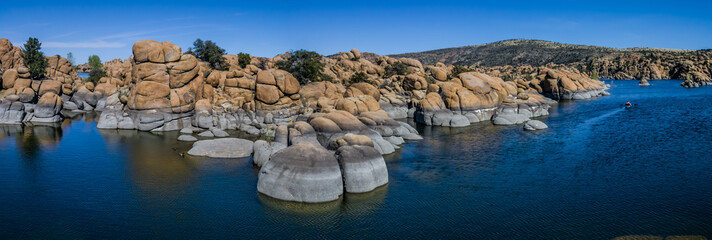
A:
(276, 89)
(48, 108)
(304, 172)
(165, 79)
(362, 167)
(264, 150)
(10, 56)
(561, 84)
(11, 111)
(222, 148)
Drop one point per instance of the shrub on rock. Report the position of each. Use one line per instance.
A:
(305, 65)
(244, 59)
(397, 68)
(210, 52)
(359, 77)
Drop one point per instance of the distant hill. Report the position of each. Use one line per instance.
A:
(521, 52)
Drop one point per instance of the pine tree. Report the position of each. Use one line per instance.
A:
(95, 62)
(70, 58)
(34, 59)
(210, 52)
(244, 59)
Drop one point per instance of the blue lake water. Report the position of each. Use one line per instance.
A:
(598, 172)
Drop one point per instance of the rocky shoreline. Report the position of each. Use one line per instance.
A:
(327, 137)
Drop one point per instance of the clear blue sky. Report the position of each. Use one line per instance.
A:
(267, 28)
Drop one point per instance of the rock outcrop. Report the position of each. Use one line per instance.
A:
(643, 83)
(42, 99)
(166, 80)
(304, 172)
(362, 167)
(559, 84)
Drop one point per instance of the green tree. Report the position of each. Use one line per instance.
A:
(95, 62)
(305, 65)
(34, 59)
(507, 77)
(594, 75)
(397, 68)
(95, 75)
(70, 58)
(457, 69)
(359, 77)
(210, 52)
(244, 59)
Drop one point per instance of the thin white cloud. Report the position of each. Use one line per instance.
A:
(64, 35)
(94, 44)
(125, 35)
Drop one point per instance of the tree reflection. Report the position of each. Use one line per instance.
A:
(31, 138)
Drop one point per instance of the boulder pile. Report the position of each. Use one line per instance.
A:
(25, 100)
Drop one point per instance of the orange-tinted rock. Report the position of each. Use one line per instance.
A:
(267, 93)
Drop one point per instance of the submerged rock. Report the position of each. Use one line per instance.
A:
(303, 172)
(207, 133)
(533, 125)
(187, 138)
(222, 148)
(643, 83)
(219, 133)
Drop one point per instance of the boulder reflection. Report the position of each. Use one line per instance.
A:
(154, 162)
(32, 138)
(323, 215)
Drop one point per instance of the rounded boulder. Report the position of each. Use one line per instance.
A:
(303, 172)
(363, 168)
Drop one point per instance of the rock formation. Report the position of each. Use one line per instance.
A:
(42, 100)
(643, 83)
(322, 138)
(304, 172)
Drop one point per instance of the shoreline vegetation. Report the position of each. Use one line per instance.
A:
(326, 121)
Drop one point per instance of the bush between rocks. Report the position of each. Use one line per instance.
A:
(306, 66)
(34, 59)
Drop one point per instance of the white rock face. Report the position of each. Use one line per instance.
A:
(222, 148)
(219, 133)
(363, 168)
(264, 150)
(459, 121)
(207, 133)
(303, 172)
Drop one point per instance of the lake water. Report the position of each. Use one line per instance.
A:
(83, 75)
(598, 172)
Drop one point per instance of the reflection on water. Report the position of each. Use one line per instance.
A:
(596, 173)
(154, 161)
(30, 138)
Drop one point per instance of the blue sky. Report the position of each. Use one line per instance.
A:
(267, 28)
